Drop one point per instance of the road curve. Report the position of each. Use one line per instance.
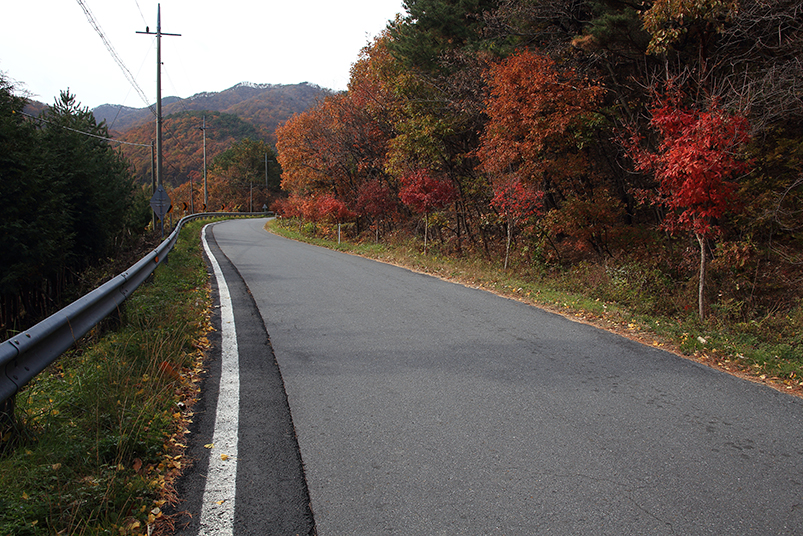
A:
(424, 407)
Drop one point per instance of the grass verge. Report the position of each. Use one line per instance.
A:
(770, 354)
(98, 438)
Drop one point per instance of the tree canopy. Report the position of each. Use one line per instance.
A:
(550, 95)
(68, 200)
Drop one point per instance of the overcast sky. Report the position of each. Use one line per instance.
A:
(49, 45)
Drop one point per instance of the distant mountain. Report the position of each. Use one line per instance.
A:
(243, 111)
(264, 105)
(183, 143)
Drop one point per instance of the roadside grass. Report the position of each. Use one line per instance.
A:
(624, 299)
(98, 437)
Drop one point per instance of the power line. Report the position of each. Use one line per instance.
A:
(83, 132)
(114, 55)
(140, 12)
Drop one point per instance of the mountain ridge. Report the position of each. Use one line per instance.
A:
(283, 99)
(245, 110)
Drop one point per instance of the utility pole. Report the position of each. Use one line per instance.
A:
(153, 185)
(158, 35)
(206, 192)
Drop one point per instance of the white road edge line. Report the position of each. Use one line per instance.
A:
(217, 509)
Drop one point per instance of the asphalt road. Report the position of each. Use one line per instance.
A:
(423, 407)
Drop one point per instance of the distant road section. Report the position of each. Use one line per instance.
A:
(424, 407)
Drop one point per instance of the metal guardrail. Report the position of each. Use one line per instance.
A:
(27, 354)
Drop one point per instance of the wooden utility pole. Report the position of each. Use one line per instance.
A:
(206, 191)
(158, 35)
(153, 183)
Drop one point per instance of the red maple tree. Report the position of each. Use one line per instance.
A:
(516, 202)
(334, 210)
(694, 163)
(424, 193)
(376, 201)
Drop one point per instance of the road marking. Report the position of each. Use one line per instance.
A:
(217, 510)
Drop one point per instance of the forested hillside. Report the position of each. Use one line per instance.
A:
(654, 147)
(183, 144)
(243, 111)
(264, 105)
(69, 203)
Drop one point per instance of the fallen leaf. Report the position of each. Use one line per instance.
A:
(224, 457)
(209, 445)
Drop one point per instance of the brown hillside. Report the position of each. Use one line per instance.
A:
(280, 101)
(243, 111)
(183, 143)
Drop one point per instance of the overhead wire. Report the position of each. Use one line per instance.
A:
(140, 13)
(90, 17)
(114, 55)
(120, 107)
(90, 134)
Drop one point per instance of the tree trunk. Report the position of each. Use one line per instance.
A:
(426, 228)
(701, 287)
(507, 246)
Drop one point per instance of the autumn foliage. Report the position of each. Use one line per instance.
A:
(424, 193)
(694, 163)
(334, 210)
(536, 125)
(517, 203)
(536, 111)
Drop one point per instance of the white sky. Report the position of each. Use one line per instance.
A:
(49, 45)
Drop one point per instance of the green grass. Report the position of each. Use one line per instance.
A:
(94, 450)
(629, 299)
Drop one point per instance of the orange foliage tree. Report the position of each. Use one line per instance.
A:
(337, 147)
(537, 113)
(332, 148)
